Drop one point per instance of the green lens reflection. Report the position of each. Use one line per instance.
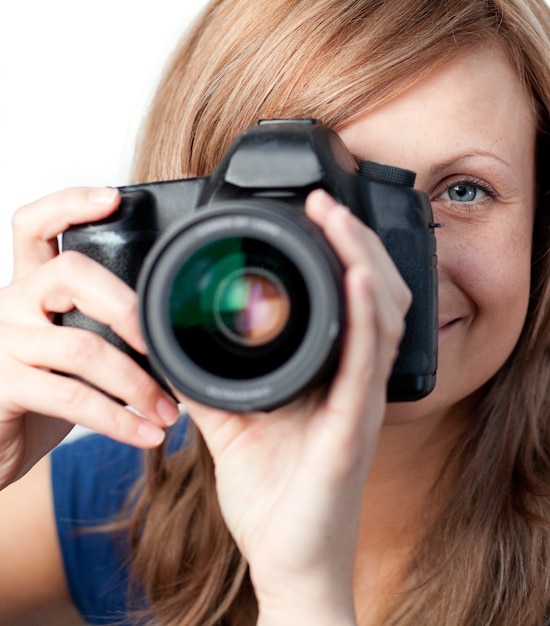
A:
(238, 307)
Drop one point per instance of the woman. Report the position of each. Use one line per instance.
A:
(339, 508)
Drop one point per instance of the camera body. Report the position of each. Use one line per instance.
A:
(241, 297)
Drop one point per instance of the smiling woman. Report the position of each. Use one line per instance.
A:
(339, 508)
(482, 186)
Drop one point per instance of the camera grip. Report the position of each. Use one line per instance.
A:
(123, 254)
(414, 370)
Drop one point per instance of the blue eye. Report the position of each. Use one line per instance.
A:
(465, 192)
(468, 191)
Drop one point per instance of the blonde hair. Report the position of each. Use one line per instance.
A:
(487, 556)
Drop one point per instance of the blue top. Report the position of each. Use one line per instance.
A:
(91, 478)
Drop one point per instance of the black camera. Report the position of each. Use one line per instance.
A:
(241, 298)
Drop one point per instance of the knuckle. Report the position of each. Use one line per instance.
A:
(83, 348)
(69, 261)
(5, 304)
(129, 307)
(120, 423)
(20, 220)
(138, 383)
(9, 371)
(71, 393)
(31, 217)
(70, 266)
(392, 327)
(405, 297)
(400, 330)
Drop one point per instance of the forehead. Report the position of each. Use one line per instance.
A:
(476, 99)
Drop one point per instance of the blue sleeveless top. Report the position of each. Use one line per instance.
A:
(91, 478)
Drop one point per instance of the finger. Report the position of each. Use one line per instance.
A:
(72, 280)
(38, 391)
(351, 238)
(37, 225)
(359, 359)
(360, 246)
(219, 428)
(318, 205)
(348, 425)
(356, 399)
(88, 356)
(355, 243)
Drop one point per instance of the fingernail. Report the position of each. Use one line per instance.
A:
(167, 411)
(150, 433)
(102, 195)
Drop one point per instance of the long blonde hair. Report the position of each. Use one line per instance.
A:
(486, 558)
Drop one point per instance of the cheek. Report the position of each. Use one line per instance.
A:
(500, 272)
(492, 272)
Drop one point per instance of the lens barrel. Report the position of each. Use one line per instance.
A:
(241, 305)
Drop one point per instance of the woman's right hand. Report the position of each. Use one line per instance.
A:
(290, 481)
(38, 406)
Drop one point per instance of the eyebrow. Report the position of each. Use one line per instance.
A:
(441, 167)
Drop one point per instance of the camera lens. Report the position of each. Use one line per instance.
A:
(241, 304)
(238, 307)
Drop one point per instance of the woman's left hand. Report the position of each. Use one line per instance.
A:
(290, 481)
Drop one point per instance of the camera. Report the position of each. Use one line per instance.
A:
(240, 294)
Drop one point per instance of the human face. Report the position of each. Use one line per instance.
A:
(468, 130)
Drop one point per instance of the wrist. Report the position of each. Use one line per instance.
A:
(301, 607)
(306, 615)
(320, 594)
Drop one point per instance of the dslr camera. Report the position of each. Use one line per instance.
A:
(241, 297)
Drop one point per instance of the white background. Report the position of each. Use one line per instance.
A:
(75, 81)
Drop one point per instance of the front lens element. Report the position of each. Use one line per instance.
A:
(239, 307)
(252, 306)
